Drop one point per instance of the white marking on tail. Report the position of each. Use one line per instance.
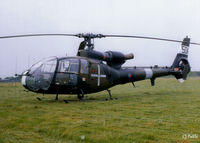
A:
(184, 50)
(149, 73)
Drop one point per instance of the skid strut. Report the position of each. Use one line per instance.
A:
(80, 94)
(56, 97)
(109, 92)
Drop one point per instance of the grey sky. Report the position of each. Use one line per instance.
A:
(159, 18)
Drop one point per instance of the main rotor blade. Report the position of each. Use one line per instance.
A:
(96, 36)
(150, 38)
(34, 35)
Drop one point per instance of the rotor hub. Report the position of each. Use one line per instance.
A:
(88, 39)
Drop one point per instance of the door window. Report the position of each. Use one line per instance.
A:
(67, 72)
(69, 65)
(84, 66)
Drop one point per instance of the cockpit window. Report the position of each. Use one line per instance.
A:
(39, 64)
(64, 66)
(41, 74)
(49, 66)
(35, 67)
(69, 65)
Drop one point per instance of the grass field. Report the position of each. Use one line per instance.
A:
(168, 112)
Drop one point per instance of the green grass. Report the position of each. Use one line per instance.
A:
(145, 114)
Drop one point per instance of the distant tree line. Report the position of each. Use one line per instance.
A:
(194, 74)
(11, 79)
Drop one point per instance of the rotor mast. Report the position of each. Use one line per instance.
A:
(88, 39)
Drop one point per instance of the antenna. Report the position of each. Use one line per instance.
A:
(15, 76)
(16, 64)
(28, 60)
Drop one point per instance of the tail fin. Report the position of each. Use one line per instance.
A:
(181, 66)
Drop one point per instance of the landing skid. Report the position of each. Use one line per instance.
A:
(109, 92)
(56, 99)
(80, 95)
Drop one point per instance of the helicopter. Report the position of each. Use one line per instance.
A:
(92, 71)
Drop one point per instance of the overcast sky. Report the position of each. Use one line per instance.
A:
(172, 19)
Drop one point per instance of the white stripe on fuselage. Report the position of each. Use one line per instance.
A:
(149, 73)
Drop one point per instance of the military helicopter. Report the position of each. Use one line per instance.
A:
(93, 71)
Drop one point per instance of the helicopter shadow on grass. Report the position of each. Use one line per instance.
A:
(98, 98)
(103, 97)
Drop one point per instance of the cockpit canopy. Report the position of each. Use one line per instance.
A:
(65, 71)
(40, 75)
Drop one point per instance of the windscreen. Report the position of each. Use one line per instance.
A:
(41, 74)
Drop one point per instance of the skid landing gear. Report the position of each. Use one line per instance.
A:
(80, 95)
(109, 92)
(38, 98)
(133, 84)
(63, 100)
(56, 97)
